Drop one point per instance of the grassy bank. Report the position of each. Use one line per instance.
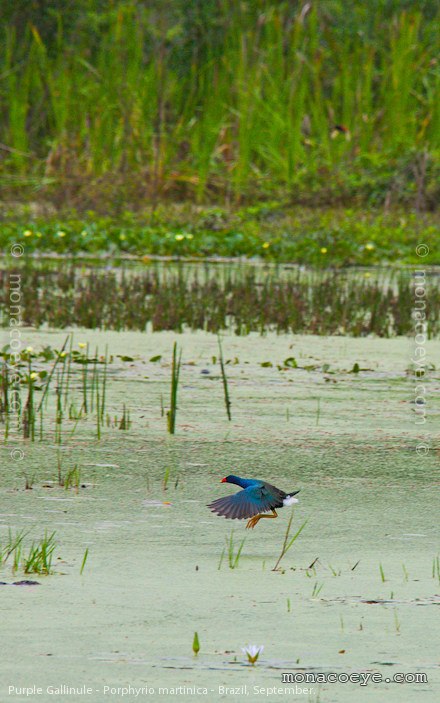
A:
(223, 102)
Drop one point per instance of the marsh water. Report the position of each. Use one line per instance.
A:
(358, 590)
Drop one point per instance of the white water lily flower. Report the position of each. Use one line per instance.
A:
(253, 652)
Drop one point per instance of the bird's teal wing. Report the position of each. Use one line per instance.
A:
(246, 503)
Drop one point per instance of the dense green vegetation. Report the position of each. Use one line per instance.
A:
(117, 104)
(271, 230)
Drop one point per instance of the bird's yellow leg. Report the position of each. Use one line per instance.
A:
(254, 520)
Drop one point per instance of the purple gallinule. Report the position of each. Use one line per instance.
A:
(257, 497)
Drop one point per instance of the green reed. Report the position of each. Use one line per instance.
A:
(233, 552)
(72, 479)
(124, 423)
(28, 419)
(69, 357)
(4, 398)
(11, 545)
(59, 414)
(317, 589)
(101, 408)
(224, 379)
(39, 557)
(85, 375)
(288, 540)
(58, 357)
(436, 568)
(253, 110)
(175, 373)
(83, 563)
(4, 390)
(94, 384)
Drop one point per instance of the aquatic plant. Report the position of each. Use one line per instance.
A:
(317, 589)
(85, 360)
(59, 415)
(72, 478)
(125, 422)
(165, 479)
(242, 299)
(396, 621)
(28, 418)
(196, 644)
(101, 408)
(233, 555)
(57, 358)
(252, 652)
(436, 568)
(289, 541)
(405, 573)
(28, 481)
(84, 560)
(224, 379)
(175, 372)
(38, 559)
(12, 545)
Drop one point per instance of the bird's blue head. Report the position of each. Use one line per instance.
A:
(229, 479)
(243, 482)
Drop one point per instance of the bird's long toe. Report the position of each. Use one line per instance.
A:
(252, 522)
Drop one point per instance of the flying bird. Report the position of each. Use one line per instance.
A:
(257, 497)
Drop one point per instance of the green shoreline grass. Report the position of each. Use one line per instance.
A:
(270, 231)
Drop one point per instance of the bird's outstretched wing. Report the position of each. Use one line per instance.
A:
(245, 504)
